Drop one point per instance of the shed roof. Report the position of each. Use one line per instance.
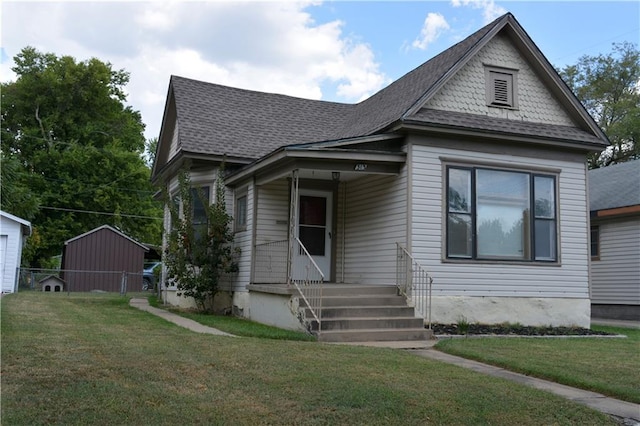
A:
(26, 225)
(108, 228)
(615, 186)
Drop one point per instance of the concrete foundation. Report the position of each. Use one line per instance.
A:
(617, 312)
(524, 310)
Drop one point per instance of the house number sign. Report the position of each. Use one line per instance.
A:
(360, 167)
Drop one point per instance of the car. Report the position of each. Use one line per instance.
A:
(149, 275)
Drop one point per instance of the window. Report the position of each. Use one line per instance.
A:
(595, 242)
(501, 87)
(489, 215)
(241, 211)
(199, 205)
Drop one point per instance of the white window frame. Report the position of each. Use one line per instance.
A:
(237, 224)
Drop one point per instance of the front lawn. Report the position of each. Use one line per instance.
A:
(93, 359)
(606, 365)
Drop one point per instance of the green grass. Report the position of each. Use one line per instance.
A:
(606, 365)
(237, 326)
(92, 359)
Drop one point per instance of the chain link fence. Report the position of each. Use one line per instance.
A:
(65, 280)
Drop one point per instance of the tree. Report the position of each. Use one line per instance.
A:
(197, 257)
(66, 127)
(609, 87)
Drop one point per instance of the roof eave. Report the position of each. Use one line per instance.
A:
(409, 125)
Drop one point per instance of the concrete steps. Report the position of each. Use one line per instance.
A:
(367, 313)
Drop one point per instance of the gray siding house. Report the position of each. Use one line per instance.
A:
(462, 183)
(614, 199)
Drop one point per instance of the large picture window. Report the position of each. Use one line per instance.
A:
(500, 215)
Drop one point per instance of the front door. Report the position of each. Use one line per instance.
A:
(314, 229)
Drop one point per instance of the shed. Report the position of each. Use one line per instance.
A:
(100, 259)
(13, 234)
(51, 283)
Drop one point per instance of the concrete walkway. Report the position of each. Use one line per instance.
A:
(192, 325)
(628, 412)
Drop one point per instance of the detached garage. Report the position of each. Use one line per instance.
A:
(13, 234)
(102, 259)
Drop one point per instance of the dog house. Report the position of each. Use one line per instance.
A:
(52, 283)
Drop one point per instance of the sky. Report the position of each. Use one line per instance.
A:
(331, 50)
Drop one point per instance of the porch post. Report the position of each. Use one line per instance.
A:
(293, 216)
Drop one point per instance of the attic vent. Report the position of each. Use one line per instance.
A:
(501, 87)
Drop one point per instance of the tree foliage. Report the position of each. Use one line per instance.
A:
(609, 87)
(75, 146)
(198, 257)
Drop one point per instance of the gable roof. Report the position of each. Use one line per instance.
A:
(223, 121)
(108, 228)
(614, 186)
(26, 225)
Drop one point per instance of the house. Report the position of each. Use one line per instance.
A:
(13, 235)
(465, 179)
(614, 200)
(103, 259)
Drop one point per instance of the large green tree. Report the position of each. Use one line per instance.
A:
(78, 152)
(609, 87)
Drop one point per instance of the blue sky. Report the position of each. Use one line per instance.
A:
(333, 50)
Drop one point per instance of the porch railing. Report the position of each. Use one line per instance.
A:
(271, 262)
(272, 267)
(308, 279)
(414, 282)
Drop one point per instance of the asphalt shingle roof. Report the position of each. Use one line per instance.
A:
(219, 120)
(502, 125)
(615, 186)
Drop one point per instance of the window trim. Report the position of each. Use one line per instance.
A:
(532, 173)
(492, 74)
(239, 227)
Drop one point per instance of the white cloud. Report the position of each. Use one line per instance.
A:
(266, 46)
(434, 25)
(490, 10)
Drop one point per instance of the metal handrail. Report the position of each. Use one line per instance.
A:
(270, 266)
(311, 284)
(414, 283)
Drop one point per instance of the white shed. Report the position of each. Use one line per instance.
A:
(13, 234)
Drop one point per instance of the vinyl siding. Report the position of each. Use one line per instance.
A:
(12, 231)
(374, 220)
(615, 278)
(465, 92)
(569, 279)
(273, 212)
(243, 241)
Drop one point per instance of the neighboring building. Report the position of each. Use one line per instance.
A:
(13, 235)
(100, 259)
(474, 162)
(614, 199)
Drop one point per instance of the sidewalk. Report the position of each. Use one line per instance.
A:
(615, 323)
(143, 304)
(626, 411)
